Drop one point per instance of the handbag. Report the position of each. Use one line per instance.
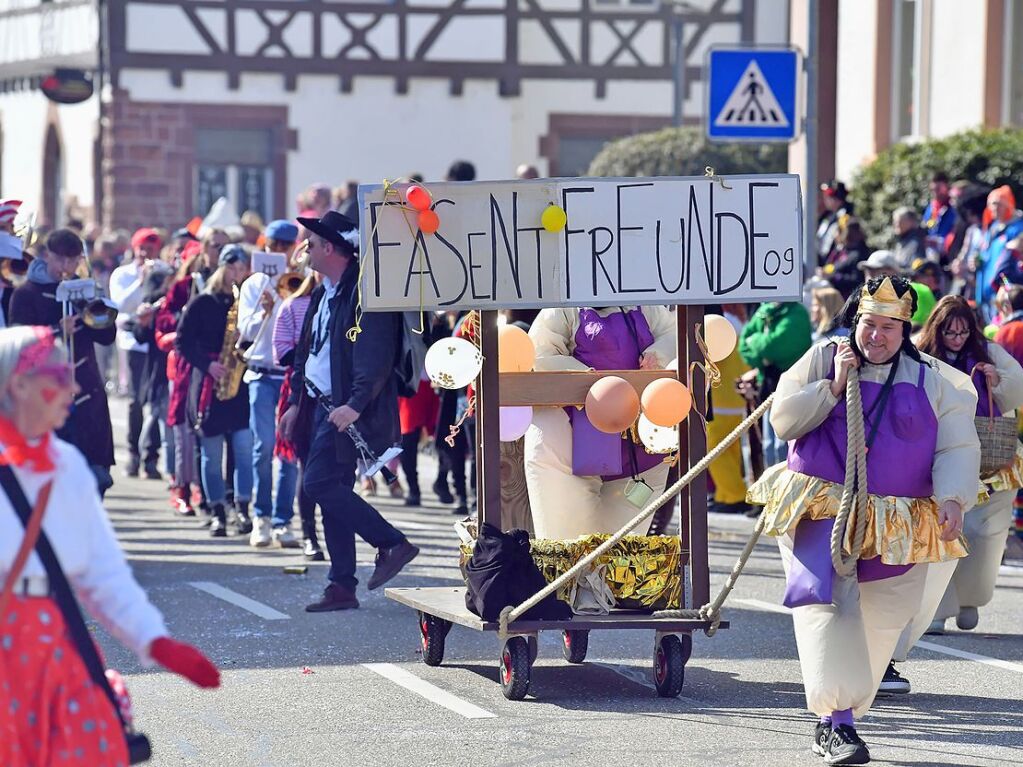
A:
(998, 438)
(139, 748)
(589, 593)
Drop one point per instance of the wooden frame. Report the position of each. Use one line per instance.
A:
(569, 388)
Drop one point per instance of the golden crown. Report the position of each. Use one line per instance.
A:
(886, 302)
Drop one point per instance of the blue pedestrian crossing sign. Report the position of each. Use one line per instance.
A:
(751, 94)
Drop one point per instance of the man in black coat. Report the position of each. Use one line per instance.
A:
(355, 382)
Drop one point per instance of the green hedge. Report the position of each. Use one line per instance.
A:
(900, 175)
(685, 152)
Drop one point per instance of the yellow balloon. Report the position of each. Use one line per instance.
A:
(554, 218)
(720, 337)
(515, 350)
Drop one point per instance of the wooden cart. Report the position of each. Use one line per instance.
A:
(440, 608)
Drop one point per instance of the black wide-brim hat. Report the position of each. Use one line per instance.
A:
(335, 228)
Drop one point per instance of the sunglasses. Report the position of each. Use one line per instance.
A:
(60, 372)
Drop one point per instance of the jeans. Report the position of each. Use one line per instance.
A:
(184, 454)
(212, 451)
(264, 392)
(136, 371)
(329, 483)
(776, 450)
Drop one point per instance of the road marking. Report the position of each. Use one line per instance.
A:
(432, 693)
(996, 662)
(240, 600)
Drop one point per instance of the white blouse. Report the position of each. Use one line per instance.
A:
(80, 532)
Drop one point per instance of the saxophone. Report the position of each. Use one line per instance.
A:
(230, 357)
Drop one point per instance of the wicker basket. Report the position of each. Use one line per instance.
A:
(998, 439)
(998, 435)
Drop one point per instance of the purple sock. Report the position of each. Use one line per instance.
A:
(842, 717)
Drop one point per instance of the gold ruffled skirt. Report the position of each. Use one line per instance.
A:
(1009, 478)
(901, 531)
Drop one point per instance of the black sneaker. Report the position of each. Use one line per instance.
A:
(893, 683)
(242, 521)
(311, 550)
(132, 469)
(151, 472)
(846, 747)
(442, 492)
(821, 736)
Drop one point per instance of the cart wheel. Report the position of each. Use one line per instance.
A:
(432, 631)
(534, 648)
(574, 644)
(513, 669)
(669, 666)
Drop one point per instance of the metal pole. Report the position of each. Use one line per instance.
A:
(810, 126)
(680, 62)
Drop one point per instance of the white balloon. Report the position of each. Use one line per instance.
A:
(657, 439)
(673, 365)
(453, 363)
(720, 336)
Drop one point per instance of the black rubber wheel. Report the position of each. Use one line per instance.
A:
(574, 643)
(513, 668)
(669, 666)
(432, 631)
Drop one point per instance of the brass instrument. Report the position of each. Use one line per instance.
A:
(289, 283)
(13, 270)
(230, 356)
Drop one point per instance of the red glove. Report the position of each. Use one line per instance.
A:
(186, 661)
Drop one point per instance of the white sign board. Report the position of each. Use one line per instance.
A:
(627, 241)
(270, 264)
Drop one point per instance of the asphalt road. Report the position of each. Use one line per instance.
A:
(302, 689)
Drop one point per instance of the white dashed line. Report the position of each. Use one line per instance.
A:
(432, 693)
(240, 600)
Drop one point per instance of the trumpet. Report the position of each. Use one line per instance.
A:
(289, 283)
(14, 270)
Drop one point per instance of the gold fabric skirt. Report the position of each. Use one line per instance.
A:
(901, 531)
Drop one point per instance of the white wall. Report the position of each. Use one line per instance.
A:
(23, 117)
(957, 67)
(854, 103)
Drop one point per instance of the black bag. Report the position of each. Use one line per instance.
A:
(139, 749)
(501, 573)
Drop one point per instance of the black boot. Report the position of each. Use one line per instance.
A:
(242, 522)
(218, 525)
(440, 487)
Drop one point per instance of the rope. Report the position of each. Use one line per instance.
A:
(854, 494)
(509, 615)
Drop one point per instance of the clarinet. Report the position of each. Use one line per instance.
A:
(360, 442)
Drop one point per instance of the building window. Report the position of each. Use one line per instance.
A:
(906, 76)
(236, 163)
(1012, 97)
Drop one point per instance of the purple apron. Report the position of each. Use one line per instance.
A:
(980, 384)
(898, 463)
(608, 343)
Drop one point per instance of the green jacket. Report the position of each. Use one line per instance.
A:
(776, 336)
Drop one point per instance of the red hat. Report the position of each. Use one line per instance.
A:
(191, 250)
(145, 235)
(8, 210)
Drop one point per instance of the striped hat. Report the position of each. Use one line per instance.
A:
(8, 210)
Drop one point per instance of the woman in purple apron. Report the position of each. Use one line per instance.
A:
(577, 476)
(957, 588)
(923, 457)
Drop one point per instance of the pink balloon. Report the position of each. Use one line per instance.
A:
(514, 422)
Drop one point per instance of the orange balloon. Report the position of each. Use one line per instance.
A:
(612, 405)
(429, 222)
(418, 197)
(515, 350)
(666, 402)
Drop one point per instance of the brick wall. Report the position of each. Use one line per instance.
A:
(149, 157)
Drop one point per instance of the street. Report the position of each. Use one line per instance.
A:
(349, 688)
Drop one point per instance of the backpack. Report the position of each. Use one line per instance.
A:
(411, 359)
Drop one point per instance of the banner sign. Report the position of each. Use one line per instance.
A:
(669, 240)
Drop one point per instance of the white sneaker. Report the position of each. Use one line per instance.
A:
(261, 532)
(286, 539)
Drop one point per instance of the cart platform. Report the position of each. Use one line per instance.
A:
(448, 603)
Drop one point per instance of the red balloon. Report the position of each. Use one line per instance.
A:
(418, 198)
(429, 222)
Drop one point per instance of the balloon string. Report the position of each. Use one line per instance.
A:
(456, 427)
(391, 199)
